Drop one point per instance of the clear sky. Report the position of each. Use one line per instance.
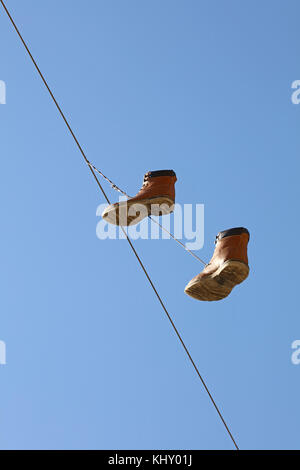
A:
(199, 86)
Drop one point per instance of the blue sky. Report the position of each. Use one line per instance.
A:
(204, 88)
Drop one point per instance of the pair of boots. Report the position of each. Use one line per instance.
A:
(229, 263)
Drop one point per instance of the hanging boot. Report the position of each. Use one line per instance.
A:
(156, 197)
(227, 268)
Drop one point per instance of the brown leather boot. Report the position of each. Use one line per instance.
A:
(156, 197)
(227, 268)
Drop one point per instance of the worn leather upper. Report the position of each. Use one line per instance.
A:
(155, 186)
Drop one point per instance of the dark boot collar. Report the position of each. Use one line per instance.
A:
(153, 174)
(230, 232)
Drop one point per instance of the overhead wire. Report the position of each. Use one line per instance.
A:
(126, 235)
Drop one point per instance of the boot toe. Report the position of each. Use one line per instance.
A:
(207, 289)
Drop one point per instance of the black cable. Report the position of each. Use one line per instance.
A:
(128, 239)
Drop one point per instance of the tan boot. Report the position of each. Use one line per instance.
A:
(156, 197)
(227, 268)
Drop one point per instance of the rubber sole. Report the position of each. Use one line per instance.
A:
(218, 285)
(131, 213)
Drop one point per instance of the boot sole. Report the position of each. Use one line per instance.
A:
(118, 214)
(218, 285)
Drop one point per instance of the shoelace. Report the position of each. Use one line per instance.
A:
(146, 180)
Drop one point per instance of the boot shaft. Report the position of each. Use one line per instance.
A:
(231, 244)
(158, 183)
